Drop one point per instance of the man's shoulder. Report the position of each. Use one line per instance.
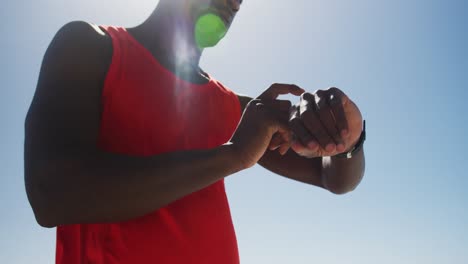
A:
(81, 32)
(82, 43)
(76, 61)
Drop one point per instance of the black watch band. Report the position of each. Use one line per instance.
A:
(356, 147)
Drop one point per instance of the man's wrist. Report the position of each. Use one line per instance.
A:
(231, 154)
(356, 147)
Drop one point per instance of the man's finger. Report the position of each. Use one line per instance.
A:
(326, 117)
(301, 150)
(275, 142)
(285, 134)
(277, 89)
(282, 122)
(314, 126)
(302, 134)
(337, 100)
(283, 149)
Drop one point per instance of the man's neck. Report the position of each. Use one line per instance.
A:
(169, 34)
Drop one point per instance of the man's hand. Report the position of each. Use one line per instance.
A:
(325, 123)
(263, 118)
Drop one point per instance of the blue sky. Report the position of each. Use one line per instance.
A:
(405, 65)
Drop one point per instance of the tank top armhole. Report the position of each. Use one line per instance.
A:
(237, 105)
(111, 76)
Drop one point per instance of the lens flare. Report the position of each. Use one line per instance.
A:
(209, 30)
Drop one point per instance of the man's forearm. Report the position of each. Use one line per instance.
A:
(341, 175)
(111, 188)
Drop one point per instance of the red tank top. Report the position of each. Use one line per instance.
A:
(147, 110)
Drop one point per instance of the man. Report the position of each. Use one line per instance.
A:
(128, 140)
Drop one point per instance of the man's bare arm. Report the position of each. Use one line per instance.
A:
(338, 175)
(70, 180)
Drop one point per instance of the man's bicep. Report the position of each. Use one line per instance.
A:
(65, 111)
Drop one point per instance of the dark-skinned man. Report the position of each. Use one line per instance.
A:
(128, 141)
